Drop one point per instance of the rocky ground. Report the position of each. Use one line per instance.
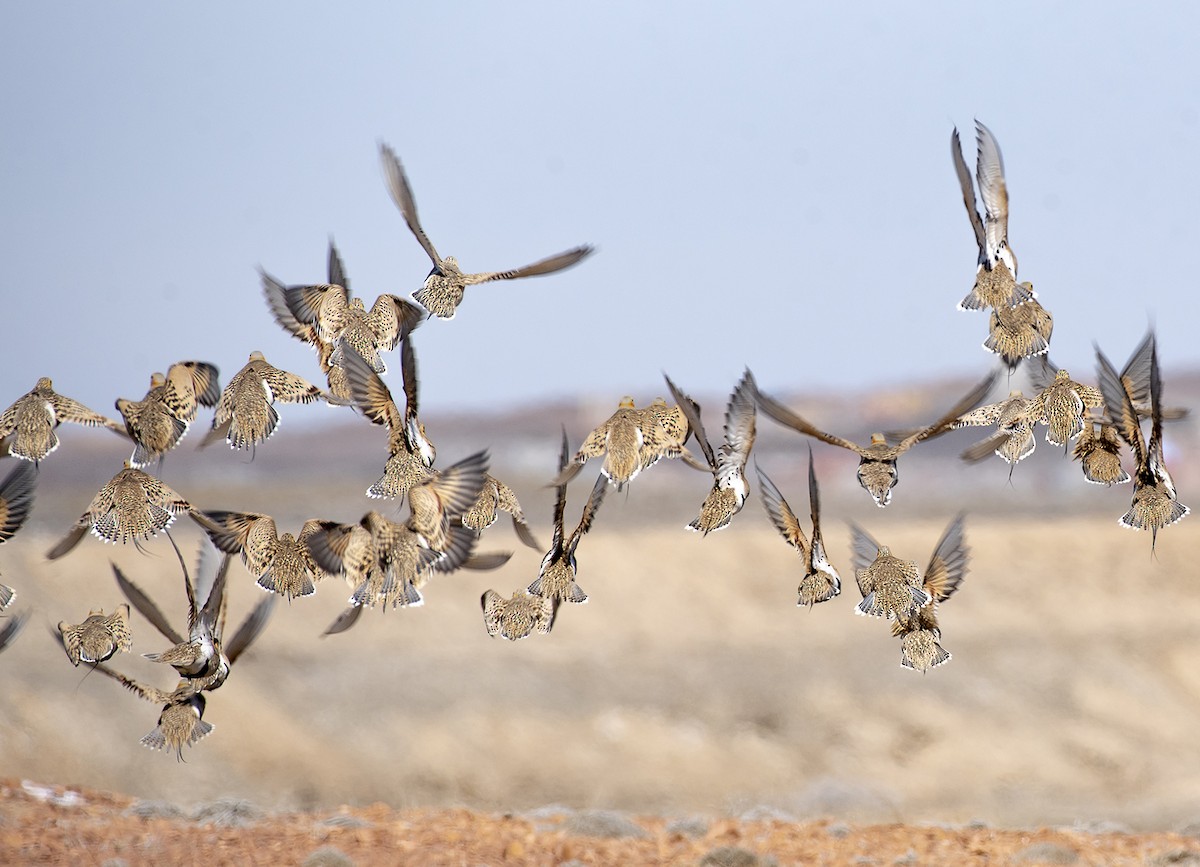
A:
(53, 824)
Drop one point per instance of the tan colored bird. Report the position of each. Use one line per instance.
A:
(1155, 504)
(98, 637)
(246, 413)
(442, 500)
(995, 277)
(386, 564)
(343, 321)
(435, 497)
(181, 720)
(519, 616)
(556, 578)
(279, 563)
(1014, 418)
(199, 658)
(410, 453)
(877, 472)
(275, 293)
(1060, 402)
(496, 497)
(27, 427)
(891, 587)
(446, 283)
(132, 506)
(204, 658)
(821, 581)
(1016, 333)
(630, 440)
(158, 421)
(919, 633)
(728, 463)
(665, 438)
(1098, 449)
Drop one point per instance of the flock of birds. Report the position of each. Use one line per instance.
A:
(387, 562)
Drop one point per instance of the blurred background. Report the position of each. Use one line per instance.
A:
(769, 188)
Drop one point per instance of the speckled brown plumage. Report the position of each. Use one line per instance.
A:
(1015, 333)
(496, 497)
(919, 633)
(279, 563)
(446, 283)
(98, 637)
(246, 413)
(1098, 450)
(519, 616)
(27, 427)
(820, 581)
(132, 506)
(877, 470)
(727, 463)
(1155, 504)
(158, 421)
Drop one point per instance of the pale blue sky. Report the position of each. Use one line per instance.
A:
(767, 185)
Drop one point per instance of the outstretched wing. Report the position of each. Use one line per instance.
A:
(549, 265)
(968, 193)
(948, 564)
(787, 418)
(397, 184)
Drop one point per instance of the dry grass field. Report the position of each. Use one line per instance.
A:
(690, 684)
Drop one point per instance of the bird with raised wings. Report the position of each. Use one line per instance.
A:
(556, 577)
(820, 581)
(27, 428)
(246, 413)
(435, 497)
(995, 276)
(877, 471)
(158, 421)
(890, 587)
(519, 616)
(446, 283)
(98, 637)
(279, 563)
(327, 315)
(1155, 503)
(728, 462)
(496, 497)
(919, 633)
(1060, 402)
(631, 440)
(410, 453)
(203, 658)
(386, 563)
(132, 506)
(1016, 333)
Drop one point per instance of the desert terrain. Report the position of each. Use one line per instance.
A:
(689, 688)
